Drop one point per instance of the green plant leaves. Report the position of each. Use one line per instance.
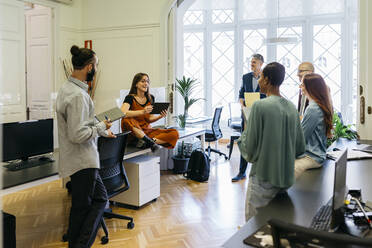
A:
(341, 131)
(186, 86)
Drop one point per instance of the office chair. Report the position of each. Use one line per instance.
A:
(215, 133)
(235, 123)
(235, 119)
(299, 236)
(111, 153)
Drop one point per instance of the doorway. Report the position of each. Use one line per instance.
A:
(39, 61)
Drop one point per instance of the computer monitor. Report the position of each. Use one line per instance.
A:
(22, 140)
(339, 191)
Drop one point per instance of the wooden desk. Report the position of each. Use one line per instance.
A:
(312, 190)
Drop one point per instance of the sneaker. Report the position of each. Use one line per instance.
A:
(141, 144)
(155, 147)
(238, 178)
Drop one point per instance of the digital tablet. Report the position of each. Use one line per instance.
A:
(111, 114)
(159, 106)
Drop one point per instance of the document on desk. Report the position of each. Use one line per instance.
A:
(111, 114)
(250, 98)
(351, 155)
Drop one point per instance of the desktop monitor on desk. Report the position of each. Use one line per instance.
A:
(22, 140)
(339, 191)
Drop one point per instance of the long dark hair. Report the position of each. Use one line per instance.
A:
(319, 92)
(133, 89)
(81, 57)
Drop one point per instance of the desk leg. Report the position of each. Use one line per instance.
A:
(202, 140)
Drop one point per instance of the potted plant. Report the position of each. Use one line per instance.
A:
(180, 161)
(341, 131)
(186, 87)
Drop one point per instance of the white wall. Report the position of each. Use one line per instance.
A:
(128, 37)
(365, 66)
(68, 33)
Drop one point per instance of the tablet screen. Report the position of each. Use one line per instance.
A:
(159, 106)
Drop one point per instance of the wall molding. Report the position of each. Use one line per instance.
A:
(112, 28)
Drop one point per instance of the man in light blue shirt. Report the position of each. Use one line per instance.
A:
(78, 155)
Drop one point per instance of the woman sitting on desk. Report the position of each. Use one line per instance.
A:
(316, 122)
(137, 106)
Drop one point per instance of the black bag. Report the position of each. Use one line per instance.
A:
(198, 168)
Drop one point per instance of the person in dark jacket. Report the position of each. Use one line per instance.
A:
(250, 84)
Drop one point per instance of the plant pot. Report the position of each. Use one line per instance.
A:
(180, 164)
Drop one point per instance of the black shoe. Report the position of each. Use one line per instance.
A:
(238, 178)
(151, 143)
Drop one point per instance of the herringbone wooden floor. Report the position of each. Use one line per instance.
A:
(187, 213)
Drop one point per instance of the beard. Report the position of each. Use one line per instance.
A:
(90, 75)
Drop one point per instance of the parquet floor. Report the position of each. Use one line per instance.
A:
(187, 213)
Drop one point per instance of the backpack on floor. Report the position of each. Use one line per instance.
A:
(198, 167)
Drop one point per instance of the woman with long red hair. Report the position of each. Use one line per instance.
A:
(316, 122)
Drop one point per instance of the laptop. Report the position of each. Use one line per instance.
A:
(364, 148)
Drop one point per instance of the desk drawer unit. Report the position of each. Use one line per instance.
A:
(144, 178)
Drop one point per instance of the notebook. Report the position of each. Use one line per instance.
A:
(111, 114)
(250, 98)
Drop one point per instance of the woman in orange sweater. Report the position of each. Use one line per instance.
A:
(137, 107)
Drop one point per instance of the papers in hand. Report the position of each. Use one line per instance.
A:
(111, 114)
(250, 98)
(351, 154)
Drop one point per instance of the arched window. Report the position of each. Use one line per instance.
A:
(219, 37)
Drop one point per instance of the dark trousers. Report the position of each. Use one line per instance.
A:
(89, 198)
(243, 164)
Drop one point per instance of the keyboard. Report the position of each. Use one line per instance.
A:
(322, 219)
(15, 166)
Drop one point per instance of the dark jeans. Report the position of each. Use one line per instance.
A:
(243, 166)
(243, 163)
(89, 198)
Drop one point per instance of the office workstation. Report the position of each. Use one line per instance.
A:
(212, 42)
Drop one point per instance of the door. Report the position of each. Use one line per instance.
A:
(12, 62)
(39, 68)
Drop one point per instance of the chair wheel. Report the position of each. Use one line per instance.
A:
(130, 225)
(104, 240)
(65, 237)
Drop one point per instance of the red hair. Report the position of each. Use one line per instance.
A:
(318, 90)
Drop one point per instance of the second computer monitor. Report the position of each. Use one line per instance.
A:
(339, 191)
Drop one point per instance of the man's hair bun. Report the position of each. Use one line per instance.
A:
(75, 50)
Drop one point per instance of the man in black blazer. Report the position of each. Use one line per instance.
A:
(250, 84)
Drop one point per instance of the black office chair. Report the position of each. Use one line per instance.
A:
(215, 133)
(111, 154)
(299, 236)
